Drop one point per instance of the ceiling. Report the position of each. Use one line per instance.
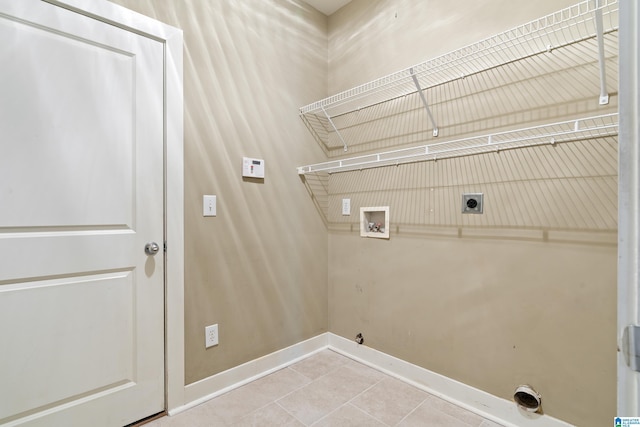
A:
(327, 6)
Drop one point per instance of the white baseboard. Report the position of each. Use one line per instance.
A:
(502, 411)
(213, 386)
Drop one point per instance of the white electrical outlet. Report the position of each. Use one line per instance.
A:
(346, 206)
(211, 335)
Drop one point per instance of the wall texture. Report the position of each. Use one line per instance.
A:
(258, 269)
(526, 292)
(522, 294)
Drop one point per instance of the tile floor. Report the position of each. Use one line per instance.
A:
(325, 389)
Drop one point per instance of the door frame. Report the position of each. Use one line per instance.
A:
(628, 202)
(172, 40)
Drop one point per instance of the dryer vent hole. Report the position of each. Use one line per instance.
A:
(526, 400)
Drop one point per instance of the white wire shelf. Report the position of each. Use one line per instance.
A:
(566, 131)
(583, 26)
(562, 28)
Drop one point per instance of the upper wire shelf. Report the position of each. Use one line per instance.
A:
(588, 20)
(562, 28)
(548, 134)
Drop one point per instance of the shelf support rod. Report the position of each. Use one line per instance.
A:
(604, 96)
(334, 128)
(424, 101)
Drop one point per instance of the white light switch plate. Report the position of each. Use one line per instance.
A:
(209, 206)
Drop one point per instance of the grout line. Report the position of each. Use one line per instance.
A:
(311, 381)
(371, 415)
(353, 406)
(347, 362)
(348, 359)
(429, 396)
(276, 401)
(295, 390)
(285, 410)
(365, 390)
(349, 402)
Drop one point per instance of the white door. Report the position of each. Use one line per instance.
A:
(81, 193)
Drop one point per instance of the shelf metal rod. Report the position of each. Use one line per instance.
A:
(335, 128)
(604, 95)
(424, 101)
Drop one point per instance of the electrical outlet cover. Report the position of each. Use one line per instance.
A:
(211, 336)
(346, 206)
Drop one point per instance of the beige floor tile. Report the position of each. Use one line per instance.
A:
(327, 393)
(390, 400)
(366, 371)
(428, 416)
(271, 415)
(326, 389)
(320, 364)
(236, 404)
(279, 383)
(348, 416)
(455, 411)
(310, 403)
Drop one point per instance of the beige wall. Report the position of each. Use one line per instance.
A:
(526, 292)
(522, 294)
(258, 269)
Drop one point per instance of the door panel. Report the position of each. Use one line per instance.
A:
(53, 69)
(93, 315)
(81, 193)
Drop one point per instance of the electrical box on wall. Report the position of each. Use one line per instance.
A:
(472, 203)
(252, 168)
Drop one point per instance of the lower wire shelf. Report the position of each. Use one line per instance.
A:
(571, 130)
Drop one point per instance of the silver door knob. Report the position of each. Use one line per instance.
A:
(151, 248)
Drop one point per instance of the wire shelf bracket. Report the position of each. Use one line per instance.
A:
(424, 101)
(344, 144)
(604, 96)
